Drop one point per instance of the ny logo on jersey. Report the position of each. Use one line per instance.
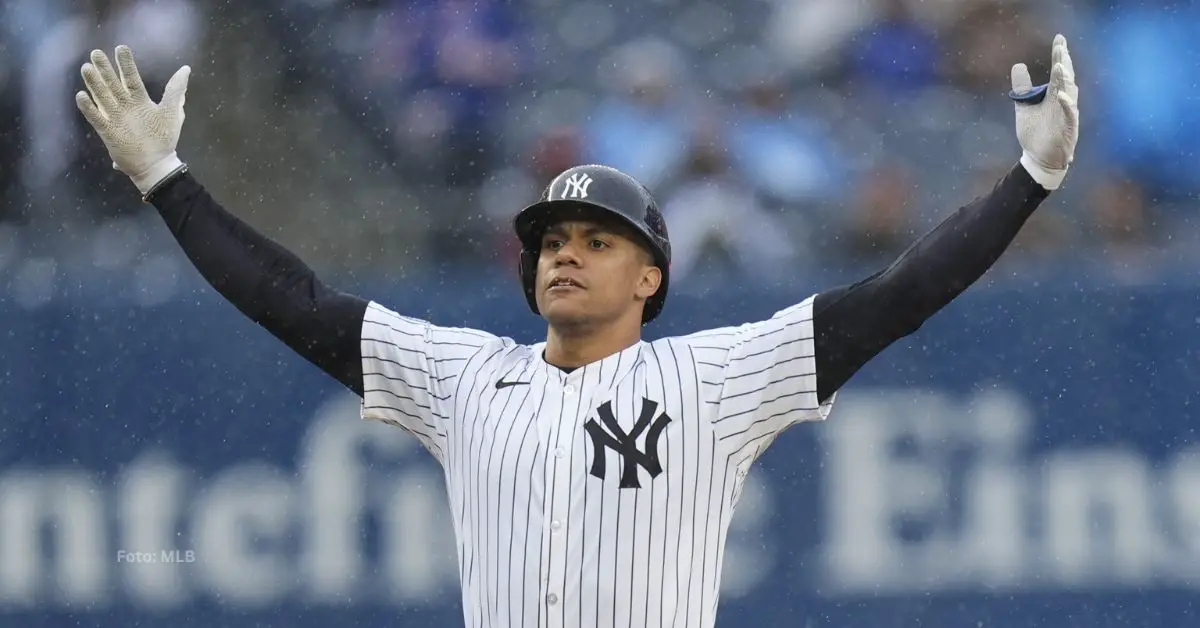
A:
(625, 444)
(577, 186)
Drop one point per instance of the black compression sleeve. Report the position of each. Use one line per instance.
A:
(854, 323)
(264, 281)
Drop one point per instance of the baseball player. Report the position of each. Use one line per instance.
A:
(591, 477)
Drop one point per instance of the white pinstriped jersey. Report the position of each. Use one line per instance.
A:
(601, 497)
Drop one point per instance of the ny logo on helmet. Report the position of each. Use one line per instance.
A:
(577, 186)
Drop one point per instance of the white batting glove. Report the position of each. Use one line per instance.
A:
(1047, 117)
(140, 135)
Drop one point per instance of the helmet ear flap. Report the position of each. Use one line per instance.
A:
(527, 271)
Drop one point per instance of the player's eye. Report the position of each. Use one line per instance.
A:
(598, 244)
(553, 244)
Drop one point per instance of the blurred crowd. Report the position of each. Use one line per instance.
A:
(777, 134)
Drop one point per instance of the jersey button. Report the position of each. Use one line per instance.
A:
(552, 599)
(570, 390)
(555, 525)
(559, 453)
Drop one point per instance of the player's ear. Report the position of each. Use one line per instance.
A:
(651, 279)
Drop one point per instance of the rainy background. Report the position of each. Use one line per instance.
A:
(1028, 458)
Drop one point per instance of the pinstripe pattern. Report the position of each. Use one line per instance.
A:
(541, 541)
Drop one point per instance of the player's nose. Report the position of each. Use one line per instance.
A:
(567, 254)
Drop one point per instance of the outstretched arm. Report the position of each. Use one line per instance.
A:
(266, 282)
(854, 323)
(263, 280)
(405, 369)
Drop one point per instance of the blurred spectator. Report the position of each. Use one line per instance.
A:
(66, 168)
(785, 154)
(25, 22)
(456, 60)
(1148, 94)
(714, 209)
(881, 216)
(988, 37)
(642, 127)
(13, 41)
(1125, 237)
(808, 35)
(1121, 217)
(512, 188)
(893, 56)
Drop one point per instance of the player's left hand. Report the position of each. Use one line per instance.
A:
(1047, 117)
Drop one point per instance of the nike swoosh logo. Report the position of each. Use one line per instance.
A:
(503, 384)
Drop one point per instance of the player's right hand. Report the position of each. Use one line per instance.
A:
(140, 135)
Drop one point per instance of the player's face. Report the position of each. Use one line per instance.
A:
(591, 272)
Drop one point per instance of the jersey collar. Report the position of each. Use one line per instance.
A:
(613, 368)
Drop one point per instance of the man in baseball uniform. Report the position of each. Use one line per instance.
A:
(591, 477)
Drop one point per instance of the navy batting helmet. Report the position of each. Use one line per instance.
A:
(591, 188)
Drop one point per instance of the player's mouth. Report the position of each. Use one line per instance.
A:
(563, 284)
